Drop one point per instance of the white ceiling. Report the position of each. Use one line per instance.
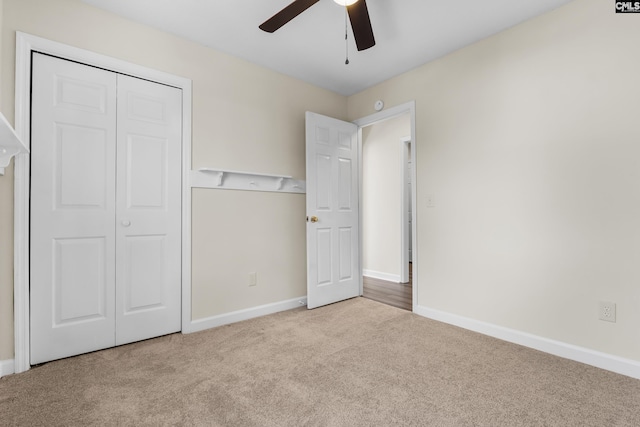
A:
(312, 48)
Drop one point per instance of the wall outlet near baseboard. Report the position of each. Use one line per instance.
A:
(253, 279)
(607, 311)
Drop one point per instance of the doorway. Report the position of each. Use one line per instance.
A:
(386, 199)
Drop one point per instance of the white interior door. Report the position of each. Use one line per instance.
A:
(105, 209)
(333, 272)
(73, 160)
(148, 243)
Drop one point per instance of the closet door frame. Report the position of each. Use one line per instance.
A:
(25, 45)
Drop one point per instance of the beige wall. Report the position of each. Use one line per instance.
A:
(244, 118)
(529, 143)
(263, 233)
(382, 195)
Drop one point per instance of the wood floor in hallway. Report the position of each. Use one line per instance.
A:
(396, 294)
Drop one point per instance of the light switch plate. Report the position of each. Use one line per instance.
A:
(253, 279)
(431, 201)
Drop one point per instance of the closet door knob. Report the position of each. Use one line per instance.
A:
(125, 223)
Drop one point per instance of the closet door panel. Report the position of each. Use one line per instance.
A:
(73, 163)
(149, 186)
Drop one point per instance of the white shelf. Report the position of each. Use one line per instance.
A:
(10, 144)
(249, 181)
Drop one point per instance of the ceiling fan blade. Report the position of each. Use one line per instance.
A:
(286, 15)
(361, 25)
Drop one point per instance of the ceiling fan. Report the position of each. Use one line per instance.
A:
(358, 15)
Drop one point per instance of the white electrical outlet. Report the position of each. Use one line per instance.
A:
(253, 279)
(607, 311)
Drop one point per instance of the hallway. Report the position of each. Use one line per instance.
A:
(391, 293)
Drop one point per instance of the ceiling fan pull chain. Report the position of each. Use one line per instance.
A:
(346, 34)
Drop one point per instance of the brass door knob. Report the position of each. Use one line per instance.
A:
(314, 219)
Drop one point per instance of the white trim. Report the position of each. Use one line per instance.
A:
(6, 367)
(360, 210)
(405, 143)
(398, 110)
(382, 276)
(628, 367)
(25, 44)
(186, 206)
(21, 205)
(246, 314)
(409, 107)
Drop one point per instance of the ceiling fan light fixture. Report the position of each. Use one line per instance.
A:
(345, 2)
(356, 12)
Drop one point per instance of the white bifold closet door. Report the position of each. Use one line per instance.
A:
(105, 209)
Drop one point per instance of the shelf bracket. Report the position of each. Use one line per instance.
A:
(10, 144)
(219, 178)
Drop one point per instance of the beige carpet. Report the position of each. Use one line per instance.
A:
(356, 363)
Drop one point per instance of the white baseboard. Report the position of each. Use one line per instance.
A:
(6, 367)
(246, 314)
(628, 367)
(382, 276)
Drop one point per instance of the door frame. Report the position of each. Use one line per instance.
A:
(405, 143)
(399, 110)
(25, 45)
